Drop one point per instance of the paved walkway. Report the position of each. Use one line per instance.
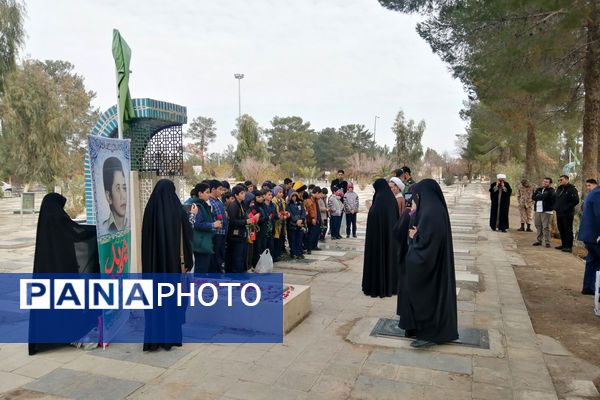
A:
(331, 354)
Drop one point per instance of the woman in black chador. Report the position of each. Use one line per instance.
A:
(166, 248)
(62, 246)
(427, 299)
(380, 268)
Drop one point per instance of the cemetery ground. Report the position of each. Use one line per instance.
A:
(537, 334)
(551, 286)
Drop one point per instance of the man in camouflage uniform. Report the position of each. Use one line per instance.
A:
(524, 194)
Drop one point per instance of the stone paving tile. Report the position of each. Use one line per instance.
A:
(81, 385)
(9, 381)
(369, 388)
(114, 368)
(425, 359)
(36, 369)
(133, 352)
(297, 379)
(491, 392)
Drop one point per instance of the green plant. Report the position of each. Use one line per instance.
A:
(449, 180)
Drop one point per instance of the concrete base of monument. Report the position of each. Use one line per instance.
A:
(362, 329)
(296, 306)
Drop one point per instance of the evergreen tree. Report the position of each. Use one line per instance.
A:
(46, 115)
(12, 36)
(360, 139)
(202, 132)
(290, 143)
(408, 149)
(250, 143)
(331, 150)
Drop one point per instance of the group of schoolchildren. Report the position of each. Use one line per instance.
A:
(233, 226)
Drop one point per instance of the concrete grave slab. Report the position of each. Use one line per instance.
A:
(81, 385)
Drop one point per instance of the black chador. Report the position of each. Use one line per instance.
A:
(62, 246)
(380, 268)
(428, 307)
(500, 196)
(401, 236)
(166, 248)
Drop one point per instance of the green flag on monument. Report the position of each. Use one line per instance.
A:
(122, 55)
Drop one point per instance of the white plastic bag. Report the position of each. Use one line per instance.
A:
(597, 294)
(265, 263)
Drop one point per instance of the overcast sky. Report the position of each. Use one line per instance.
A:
(331, 62)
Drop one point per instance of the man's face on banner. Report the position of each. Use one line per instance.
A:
(117, 197)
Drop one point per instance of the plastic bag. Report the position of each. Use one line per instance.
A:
(597, 295)
(265, 263)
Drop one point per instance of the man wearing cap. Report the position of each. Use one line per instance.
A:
(524, 193)
(407, 178)
(500, 192)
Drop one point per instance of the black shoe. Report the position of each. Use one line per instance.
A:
(537, 244)
(409, 333)
(559, 247)
(294, 257)
(421, 344)
(354, 236)
(567, 249)
(528, 229)
(521, 229)
(317, 249)
(548, 245)
(587, 291)
(503, 230)
(347, 236)
(308, 252)
(301, 257)
(339, 237)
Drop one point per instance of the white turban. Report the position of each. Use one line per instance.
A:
(501, 176)
(396, 181)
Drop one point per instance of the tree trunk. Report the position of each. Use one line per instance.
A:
(531, 165)
(591, 113)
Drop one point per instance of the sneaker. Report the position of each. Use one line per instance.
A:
(548, 245)
(567, 249)
(537, 244)
(559, 247)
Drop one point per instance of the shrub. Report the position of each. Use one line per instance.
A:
(449, 180)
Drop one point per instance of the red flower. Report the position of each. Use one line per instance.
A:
(270, 215)
(282, 212)
(219, 217)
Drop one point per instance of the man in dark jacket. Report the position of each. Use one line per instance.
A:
(339, 183)
(589, 233)
(567, 198)
(543, 198)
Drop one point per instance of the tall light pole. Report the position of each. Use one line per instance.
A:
(239, 77)
(375, 128)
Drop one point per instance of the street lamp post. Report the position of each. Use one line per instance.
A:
(239, 77)
(375, 128)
